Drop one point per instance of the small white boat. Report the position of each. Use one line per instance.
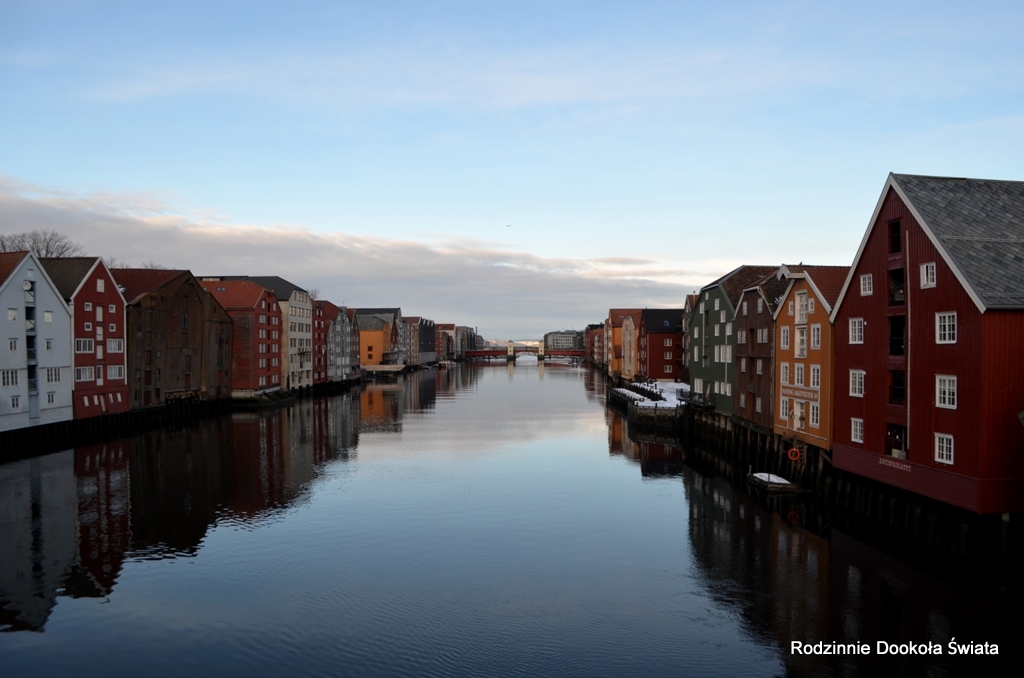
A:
(769, 482)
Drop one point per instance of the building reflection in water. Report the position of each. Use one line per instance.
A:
(656, 456)
(69, 521)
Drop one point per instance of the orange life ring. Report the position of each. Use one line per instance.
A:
(793, 517)
(793, 454)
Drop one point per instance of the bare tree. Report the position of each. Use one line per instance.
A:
(314, 293)
(114, 262)
(153, 265)
(46, 244)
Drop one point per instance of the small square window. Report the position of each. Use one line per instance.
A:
(87, 306)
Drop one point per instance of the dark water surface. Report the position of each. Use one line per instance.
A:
(480, 521)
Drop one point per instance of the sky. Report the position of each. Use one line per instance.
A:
(519, 167)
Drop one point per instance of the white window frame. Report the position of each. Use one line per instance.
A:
(757, 404)
(784, 408)
(743, 364)
(928, 275)
(760, 305)
(784, 373)
(800, 345)
(798, 374)
(815, 336)
(744, 308)
(943, 448)
(857, 378)
(47, 317)
(815, 415)
(815, 376)
(856, 330)
(760, 366)
(85, 345)
(945, 391)
(945, 333)
(856, 430)
(784, 340)
(86, 373)
(115, 372)
(9, 377)
(867, 285)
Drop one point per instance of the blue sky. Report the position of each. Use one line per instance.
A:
(565, 158)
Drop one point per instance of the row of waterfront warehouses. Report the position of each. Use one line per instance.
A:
(906, 367)
(82, 340)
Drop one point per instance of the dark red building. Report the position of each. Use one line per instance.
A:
(256, 335)
(660, 351)
(324, 313)
(929, 366)
(755, 352)
(98, 333)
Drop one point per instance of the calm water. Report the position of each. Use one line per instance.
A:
(481, 521)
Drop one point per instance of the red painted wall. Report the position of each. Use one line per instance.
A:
(103, 395)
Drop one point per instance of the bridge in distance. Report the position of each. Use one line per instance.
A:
(513, 350)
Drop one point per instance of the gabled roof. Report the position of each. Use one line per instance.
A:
(735, 281)
(137, 282)
(9, 261)
(235, 294)
(977, 225)
(412, 319)
(281, 288)
(397, 312)
(663, 319)
(617, 315)
(772, 288)
(68, 273)
(330, 310)
(826, 282)
(370, 322)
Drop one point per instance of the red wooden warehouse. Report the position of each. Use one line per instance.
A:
(98, 333)
(929, 376)
(256, 335)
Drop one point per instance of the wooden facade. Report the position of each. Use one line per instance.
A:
(928, 367)
(179, 338)
(755, 352)
(256, 335)
(661, 343)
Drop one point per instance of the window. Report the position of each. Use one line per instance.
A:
(728, 329)
(52, 375)
(716, 304)
(667, 342)
(717, 328)
(759, 366)
(945, 328)
(100, 284)
(760, 305)
(801, 307)
(815, 415)
(111, 309)
(945, 391)
(943, 448)
(867, 286)
(743, 364)
(810, 305)
(757, 404)
(15, 402)
(668, 355)
(84, 346)
(815, 376)
(696, 333)
(47, 316)
(784, 408)
(784, 373)
(668, 369)
(51, 397)
(856, 330)
(12, 315)
(789, 308)
(9, 377)
(727, 388)
(115, 372)
(801, 342)
(718, 353)
(857, 383)
(49, 344)
(798, 374)
(87, 306)
(88, 327)
(744, 308)
(84, 374)
(112, 327)
(815, 337)
(928, 274)
(856, 430)
(743, 400)
(12, 344)
(785, 338)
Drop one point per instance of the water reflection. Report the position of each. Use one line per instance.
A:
(73, 523)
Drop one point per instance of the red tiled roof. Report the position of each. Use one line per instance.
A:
(330, 310)
(411, 319)
(829, 280)
(734, 282)
(235, 294)
(8, 262)
(445, 326)
(135, 282)
(617, 315)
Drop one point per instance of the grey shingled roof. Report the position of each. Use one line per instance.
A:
(67, 273)
(980, 223)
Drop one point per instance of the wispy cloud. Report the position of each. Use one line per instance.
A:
(502, 291)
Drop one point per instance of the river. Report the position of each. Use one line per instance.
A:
(486, 520)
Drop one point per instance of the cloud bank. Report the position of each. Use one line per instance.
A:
(502, 291)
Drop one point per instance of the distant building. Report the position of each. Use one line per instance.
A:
(565, 340)
(98, 322)
(660, 346)
(35, 356)
(400, 347)
(256, 323)
(613, 337)
(179, 337)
